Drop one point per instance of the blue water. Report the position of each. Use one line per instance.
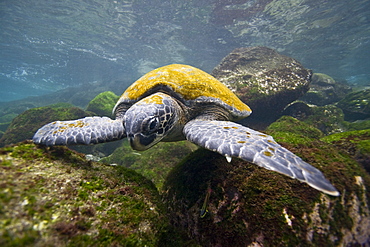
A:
(50, 45)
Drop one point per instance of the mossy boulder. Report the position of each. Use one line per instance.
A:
(155, 163)
(6, 120)
(4, 126)
(27, 123)
(325, 90)
(298, 109)
(55, 197)
(354, 143)
(15, 107)
(359, 125)
(264, 79)
(293, 131)
(329, 119)
(7, 117)
(103, 104)
(251, 206)
(356, 105)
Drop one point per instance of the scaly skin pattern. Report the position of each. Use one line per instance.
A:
(234, 140)
(189, 83)
(85, 131)
(153, 119)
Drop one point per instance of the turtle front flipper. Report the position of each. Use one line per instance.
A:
(84, 131)
(234, 140)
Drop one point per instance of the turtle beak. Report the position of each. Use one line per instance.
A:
(140, 142)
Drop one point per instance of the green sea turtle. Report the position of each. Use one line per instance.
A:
(178, 102)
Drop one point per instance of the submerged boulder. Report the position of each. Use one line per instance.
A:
(6, 120)
(325, 90)
(356, 105)
(354, 143)
(298, 109)
(55, 197)
(359, 125)
(155, 163)
(265, 80)
(240, 204)
(103, 104)
(329, 118)
(27, 123)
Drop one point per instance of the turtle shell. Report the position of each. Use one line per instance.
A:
(186, 83)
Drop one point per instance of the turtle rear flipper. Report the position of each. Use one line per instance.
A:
(85, 131)
(234, 140)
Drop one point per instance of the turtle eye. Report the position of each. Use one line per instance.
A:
(152, 124)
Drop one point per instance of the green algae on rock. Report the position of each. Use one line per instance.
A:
(54, 197)
(329, 119)
(103, 103)
(298, 109)
(5, 120)
(354, 143)
(25, 124)
(249, 205)
(290, 130)
(359, 125)
(154, 163)
(325, 90)
(356, 105)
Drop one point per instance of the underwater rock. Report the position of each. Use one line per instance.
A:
(329, 119)
(354, 143)
(25, 124)
(298, 109)
(263, 79)
(293, 131)
(324, 90)
(7, 109)
(10, 110)
(55, 197)
(5, 121)
(103, 104)
(359, 125)
(8, 117)
(155, 163)
(356, 105)
(240, 204)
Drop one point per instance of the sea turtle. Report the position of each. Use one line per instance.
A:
(178, 102)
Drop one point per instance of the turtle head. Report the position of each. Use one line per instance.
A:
(150, 120)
